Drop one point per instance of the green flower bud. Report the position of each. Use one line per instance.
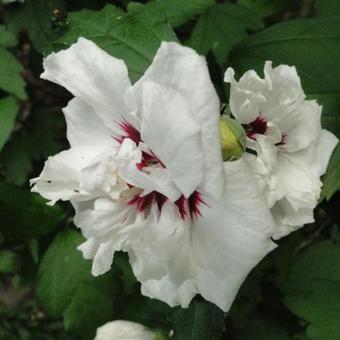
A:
(233, 139)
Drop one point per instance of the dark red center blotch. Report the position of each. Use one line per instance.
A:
(187, 207)
(258, 126)
(129, 131)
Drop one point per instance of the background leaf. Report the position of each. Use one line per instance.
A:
(221, 28)
(8, 111)
(10, 75)
(265, 8)
(24, 214)
(134, 36)
(35, 17)
(201, 321)
(327, 7)
(66, 287)
(332, 177)
(287, 43)
(312, 289)
(179, 12)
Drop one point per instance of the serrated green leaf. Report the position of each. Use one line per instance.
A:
(221, 28)
(265, 8)
(133, 37)
(287, 43)
(179, 12)
(202, 320)
(312, 289)
(7, 39)
(65, 286)
(35, 16)
(8, 111)
(10, 78)
(332, 178)
(24, 214)
(327, 7)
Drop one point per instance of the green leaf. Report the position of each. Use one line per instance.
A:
(261, 327)
(9, 262)
(331, 110)
(7, 39)
(133, 37)
(312, 289)
(332, 178)
(8, 111)
(10, 78)
(24, 214)
(65, 286)
(35, 16)
(179, 11)
(327, 7)
(265, 8)
(287, 43)
(81, 316)
(202, 320)
(35, 142)
(221, 28)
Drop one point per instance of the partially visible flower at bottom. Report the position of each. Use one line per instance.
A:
(145, 175)
(284, 130)
(124, 330)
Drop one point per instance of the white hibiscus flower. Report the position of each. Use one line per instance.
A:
(124, 330)
(285, 131)
(145, 175)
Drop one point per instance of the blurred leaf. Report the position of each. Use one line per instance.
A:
(202, 320)
(312, 289)
(9, 262)
(7, 39)
(327, 7)
(265, 8)
(36, 141)
(330, 110)
(8, 111)
(133, 37)
(287, 43)
(82, 317)
(24, 214)
(332, 177)
(260, 327)
(10, 75)
(179, 11)
(66, 287)
(221, 28)
(35, 16)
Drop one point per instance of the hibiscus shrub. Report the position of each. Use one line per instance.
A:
(214, 218)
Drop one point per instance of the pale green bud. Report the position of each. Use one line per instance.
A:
(233, 139)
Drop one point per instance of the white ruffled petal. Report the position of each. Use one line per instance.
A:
(173, 135)
(60, 178)
(85, 127)
(214, 254)
(235, 232)
(181, 69)
(95, 77)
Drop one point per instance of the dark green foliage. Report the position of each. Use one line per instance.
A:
(47, 291)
